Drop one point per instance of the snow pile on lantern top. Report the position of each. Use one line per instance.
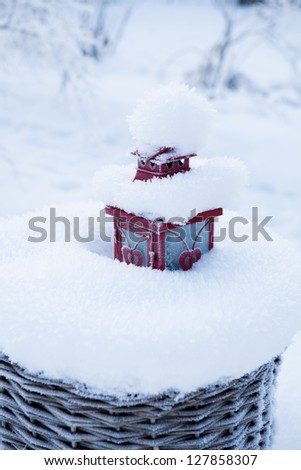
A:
(211, 183)
(72, 312)
(171, 116)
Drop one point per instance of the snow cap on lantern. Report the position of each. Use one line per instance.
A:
(169, 125)
(174, 116)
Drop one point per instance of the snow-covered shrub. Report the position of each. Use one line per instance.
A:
(229, 62)
(58, 34)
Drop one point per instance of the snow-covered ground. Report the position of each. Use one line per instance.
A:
(53, 139)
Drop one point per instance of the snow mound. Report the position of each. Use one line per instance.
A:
(211, 183)
(171, 116)
(68, 310)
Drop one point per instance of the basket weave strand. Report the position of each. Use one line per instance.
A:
(38, 413)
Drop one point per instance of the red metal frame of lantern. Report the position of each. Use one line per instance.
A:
(144, 242)
(130, 231)
(165, 162)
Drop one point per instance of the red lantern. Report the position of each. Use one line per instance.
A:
(156, 243)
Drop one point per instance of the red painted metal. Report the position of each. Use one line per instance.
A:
(189, 257)
(211, 234)
(132, 256)
(117, 241)
(201, 216)
(165, 162)
(152, 225)
(159, 248)
(161, 170)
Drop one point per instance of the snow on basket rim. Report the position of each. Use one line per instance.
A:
(138, 330)
(174, 116)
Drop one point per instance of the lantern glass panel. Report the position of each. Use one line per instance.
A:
(179, 239)
(136, 241)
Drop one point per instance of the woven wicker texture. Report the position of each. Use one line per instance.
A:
(37, 413)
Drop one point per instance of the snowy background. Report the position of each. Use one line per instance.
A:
(71, 72)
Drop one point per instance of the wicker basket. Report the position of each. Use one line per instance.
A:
(38, 413)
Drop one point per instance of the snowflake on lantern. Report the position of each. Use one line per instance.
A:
(166, 126)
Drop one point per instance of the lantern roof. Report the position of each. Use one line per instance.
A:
(161, 155)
